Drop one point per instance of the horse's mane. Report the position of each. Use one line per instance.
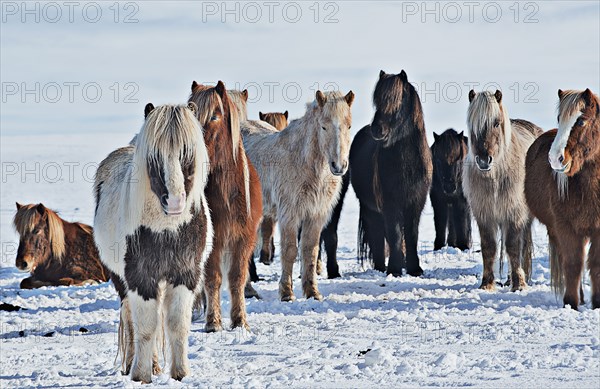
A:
(167, 130)
(483, 112)
(238, 99)
(27, 217)
(570, 103)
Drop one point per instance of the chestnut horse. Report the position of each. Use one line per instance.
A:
(234, 196)
(276, 119)
(55, 251)
(562, 187)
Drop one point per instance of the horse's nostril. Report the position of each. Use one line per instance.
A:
(561, 159)
(163, 199)
(490, 159)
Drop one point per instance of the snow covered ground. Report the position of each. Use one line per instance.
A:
(438, 330)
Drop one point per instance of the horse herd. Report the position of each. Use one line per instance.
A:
(181, 206)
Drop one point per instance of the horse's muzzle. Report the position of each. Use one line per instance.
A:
(173, 205)
(337, 170)
(482, 164)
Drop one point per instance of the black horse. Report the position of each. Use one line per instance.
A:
(450, 208)
(390, 171)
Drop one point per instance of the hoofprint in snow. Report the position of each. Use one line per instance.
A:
(370, 329)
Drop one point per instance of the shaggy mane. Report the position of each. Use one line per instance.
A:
(27, 217)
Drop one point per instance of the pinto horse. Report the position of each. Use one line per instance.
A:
(235, 200)
(55, 251)
(562, 188)
(390, 171)
(153, 230)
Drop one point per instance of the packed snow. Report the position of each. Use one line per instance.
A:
(371, 329)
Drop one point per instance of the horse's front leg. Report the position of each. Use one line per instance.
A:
(462, 217)
(514, 248)
(289, 251)
(236, 276)
(311, 233)
(212, 286)
(394, 232)
(487, 232)
(412, 217)
(178, 309)
(144, 314)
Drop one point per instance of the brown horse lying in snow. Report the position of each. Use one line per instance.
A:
(55, 251)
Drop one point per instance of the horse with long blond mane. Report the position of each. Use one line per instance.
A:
(301, 171)
(562, 188)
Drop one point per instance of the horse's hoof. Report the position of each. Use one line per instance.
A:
(179, 374)
(519, 287)
(315, 295)
(156, 370)
(489, 286)
(213, 327)
(332, 275)
(250, 292)
(143, 378)
(417, 272)
(395, 273)
(240, 324)
(288, 297)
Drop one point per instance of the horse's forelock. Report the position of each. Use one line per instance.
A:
(28, 217)
(483, 111)
(388, 93)
(570, 103)
(335, 107)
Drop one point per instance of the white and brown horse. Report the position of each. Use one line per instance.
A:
(153, 230)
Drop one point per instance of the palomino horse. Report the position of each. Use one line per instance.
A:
(55, 251)
(493, 182)
(450, 208)
(234, 197)
(153, 230)
(301, 170)
(390, 171)
(565, 193)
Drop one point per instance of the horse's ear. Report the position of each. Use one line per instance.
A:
(220, 88)
(471, 95)
(193, 107)
(588, 96)
(41, 209)
(498, 96)
(435, 137)
(19, 206)
(148, 109)
(285, 114)
(461, 134)
(403, 75)
(194, 85)
(381, 74)
(261, 115)
(560, 93)
(349, 98)
(245, 94)
(321, 99)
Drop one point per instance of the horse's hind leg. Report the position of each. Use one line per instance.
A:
(330, 240)
(375, 231)
(462, 224)
(267, 251)
(145, 324)
(212, 287)
(178, 310)
(487, 232)
(252, 269)
(236, 275)
(289, 251)
(311, 232)
(594, 267)
(440, 220)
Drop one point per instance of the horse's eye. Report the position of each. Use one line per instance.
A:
(214, 118)
(324, 129)
(496, 124)
(580, 122)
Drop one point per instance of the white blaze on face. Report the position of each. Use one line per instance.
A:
(557, 150)
(174, 181)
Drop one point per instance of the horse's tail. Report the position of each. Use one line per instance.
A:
(363, 242)
(557, 280)
(527, 252)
